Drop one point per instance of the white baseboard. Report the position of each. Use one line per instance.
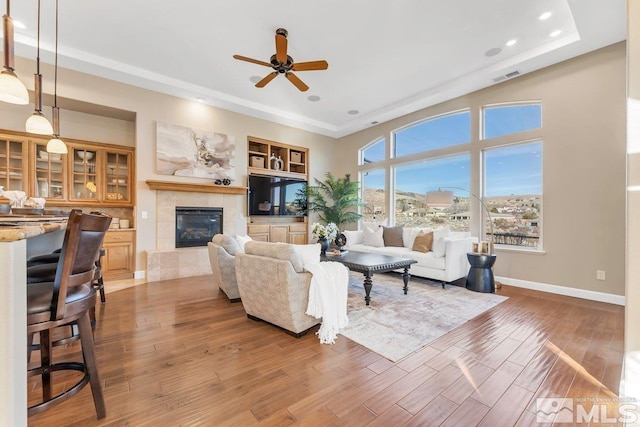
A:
(563, 290)
(139, 274)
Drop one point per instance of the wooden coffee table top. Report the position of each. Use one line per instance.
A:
(370, 263)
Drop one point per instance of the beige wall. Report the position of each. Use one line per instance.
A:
(150, 107)
(631, 376)
(583, 103)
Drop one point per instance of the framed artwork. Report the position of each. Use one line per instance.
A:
(182, 151)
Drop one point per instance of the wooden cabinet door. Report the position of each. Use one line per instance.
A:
(49, 177)
(118, 179)
(298, 238)
(117, 258)
(279, 233)
(13, 163)
(83, 174)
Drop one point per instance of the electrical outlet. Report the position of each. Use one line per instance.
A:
(600, 275)
(143, 215)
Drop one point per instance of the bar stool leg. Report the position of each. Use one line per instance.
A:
(89, 353)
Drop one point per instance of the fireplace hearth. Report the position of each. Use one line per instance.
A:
(195, 226)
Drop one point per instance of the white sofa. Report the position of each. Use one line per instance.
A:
(446, 266)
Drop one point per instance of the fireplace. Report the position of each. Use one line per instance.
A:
(195, 226)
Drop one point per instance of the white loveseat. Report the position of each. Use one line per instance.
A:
(446, 263)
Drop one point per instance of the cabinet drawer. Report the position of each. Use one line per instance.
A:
(258, 228)
(301, 227)
(118, 236)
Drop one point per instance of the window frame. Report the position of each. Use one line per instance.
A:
(482, 121)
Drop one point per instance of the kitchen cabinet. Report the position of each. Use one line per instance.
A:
(91, 174)
(119, 259)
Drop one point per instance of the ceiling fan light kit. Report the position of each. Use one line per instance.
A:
(284, 64)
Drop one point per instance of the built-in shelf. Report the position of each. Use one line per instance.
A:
(195, 187)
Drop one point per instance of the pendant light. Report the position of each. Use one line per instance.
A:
(12, 90)
(55, 144)
(38, 123)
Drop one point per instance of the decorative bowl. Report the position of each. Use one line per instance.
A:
(86, 155)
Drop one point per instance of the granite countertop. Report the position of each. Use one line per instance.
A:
(14, 228)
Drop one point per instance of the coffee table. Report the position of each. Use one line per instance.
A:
(373, 263)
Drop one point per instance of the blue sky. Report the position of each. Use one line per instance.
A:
(509, 170)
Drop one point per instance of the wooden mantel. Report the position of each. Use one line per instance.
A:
(196, 188)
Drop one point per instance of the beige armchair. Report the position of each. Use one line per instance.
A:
(273, 286)
(222, 256)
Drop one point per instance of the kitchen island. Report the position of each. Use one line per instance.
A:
(19, 238)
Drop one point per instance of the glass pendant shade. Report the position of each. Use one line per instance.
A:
(56, 145)
(12, 90)
(38, 123)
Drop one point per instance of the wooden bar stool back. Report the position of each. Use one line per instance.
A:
(69, 298)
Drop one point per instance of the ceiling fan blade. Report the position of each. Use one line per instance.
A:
(297, 82)
(281, 48)
(310, 66)
(254, 61)
(263, 82)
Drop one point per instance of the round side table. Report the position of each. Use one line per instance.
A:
(480, 277)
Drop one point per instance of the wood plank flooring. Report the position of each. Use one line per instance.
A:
(178, 353)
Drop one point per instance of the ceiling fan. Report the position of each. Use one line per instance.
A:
(283, 63)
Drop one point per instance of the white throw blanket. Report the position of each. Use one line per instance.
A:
(328, 298)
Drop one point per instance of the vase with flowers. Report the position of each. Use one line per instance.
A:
(324, 234)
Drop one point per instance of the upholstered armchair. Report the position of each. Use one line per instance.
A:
(273, 286)
(222, 256)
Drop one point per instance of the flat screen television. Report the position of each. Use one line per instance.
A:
(276, 196)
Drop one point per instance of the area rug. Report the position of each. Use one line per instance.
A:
(395, 325)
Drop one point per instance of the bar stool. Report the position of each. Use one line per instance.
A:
(67, 300)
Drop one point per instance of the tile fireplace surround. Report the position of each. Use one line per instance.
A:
(167, 262)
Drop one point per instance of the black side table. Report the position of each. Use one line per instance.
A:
(480, 277)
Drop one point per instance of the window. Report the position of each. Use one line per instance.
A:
(513, 193)
(373, 195)
(414, 180)
(439, 132)
(507, 119)
(374, 152)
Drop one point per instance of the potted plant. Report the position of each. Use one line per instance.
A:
(324, 233)
(335, 200)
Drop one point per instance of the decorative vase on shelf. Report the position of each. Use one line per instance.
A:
(324, 245)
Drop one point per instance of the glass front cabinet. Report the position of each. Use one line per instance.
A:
(89, 174)
(13, 163)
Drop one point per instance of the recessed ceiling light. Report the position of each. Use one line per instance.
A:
(511, 42)
(313, 98)
(555, 33)
(375, 122)
(255, 79)
(353, 112)
(20, 25)
(493, 52)
(544, 16)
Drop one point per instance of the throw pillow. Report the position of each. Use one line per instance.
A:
(308, 254)
(439, 247)
(242, 240)
(392, 236)
(372, 235)
(441, 232)
(354, 237)
(423, 242)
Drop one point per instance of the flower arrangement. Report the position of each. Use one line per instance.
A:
(328, 231)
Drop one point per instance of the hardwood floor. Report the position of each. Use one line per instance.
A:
(178, 353)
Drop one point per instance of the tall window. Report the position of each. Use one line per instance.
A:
(373, 195)
(414, 180)
(513, 193)
(507, 119)
(374, 152)
(435, 133)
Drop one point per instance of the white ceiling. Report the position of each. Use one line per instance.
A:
(386, 57)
